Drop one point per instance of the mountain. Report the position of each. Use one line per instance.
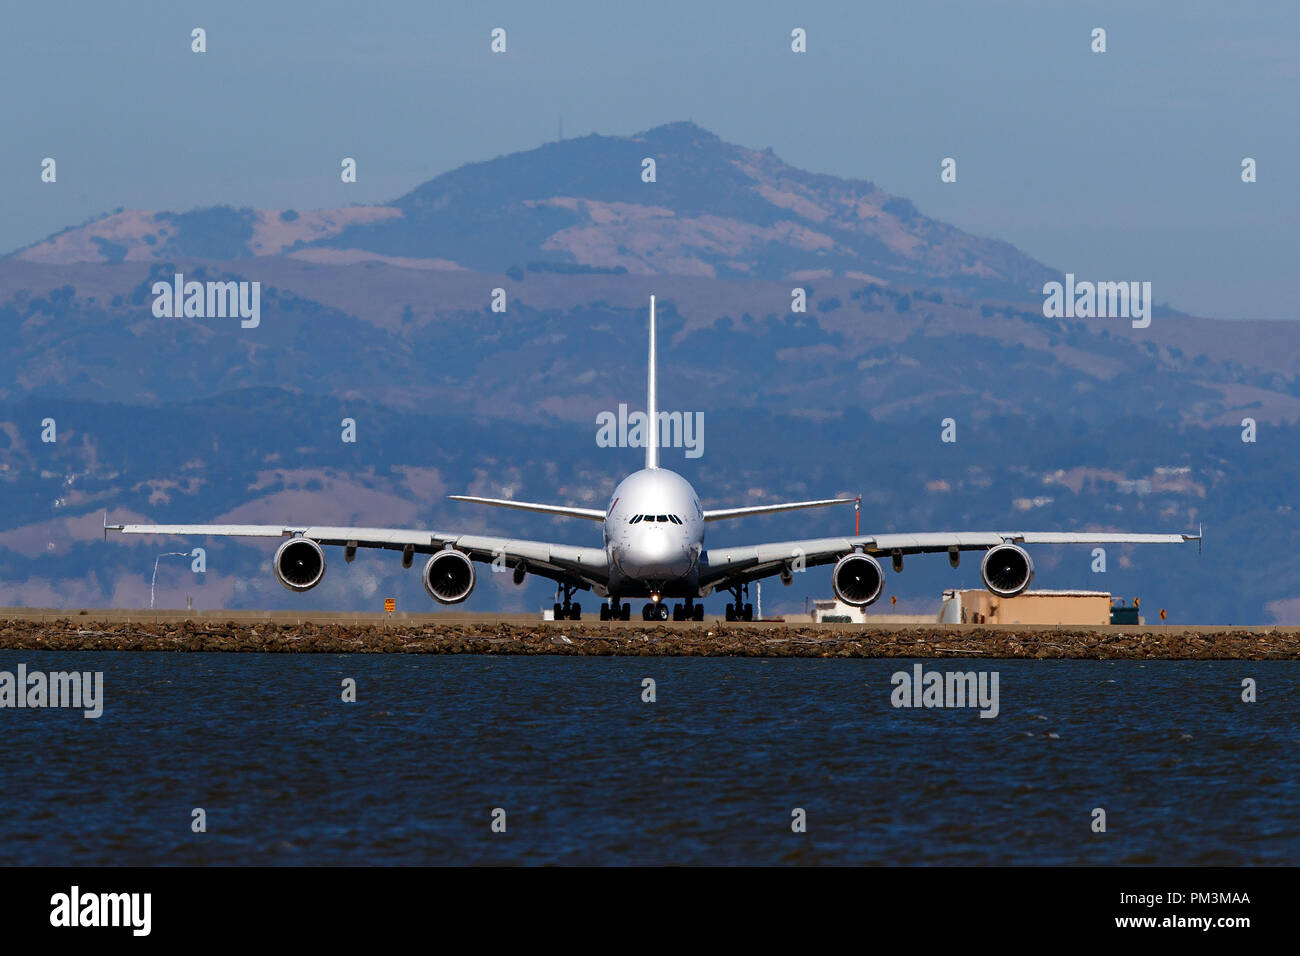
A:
(714, 209)
(380, 315)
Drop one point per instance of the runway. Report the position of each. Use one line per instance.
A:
(467, 633)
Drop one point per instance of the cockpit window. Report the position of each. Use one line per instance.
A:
(663, 518)
(636, 518)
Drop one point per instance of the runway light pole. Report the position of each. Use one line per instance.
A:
(165, 554)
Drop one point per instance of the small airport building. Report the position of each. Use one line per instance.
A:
(833, 611)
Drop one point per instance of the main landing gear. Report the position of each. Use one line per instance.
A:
(740, 610)
(566, 609)
(613, 611)
(690, 611)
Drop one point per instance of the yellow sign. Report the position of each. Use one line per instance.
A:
(390, 605)
(1162, 614)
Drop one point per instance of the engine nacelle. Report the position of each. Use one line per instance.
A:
(299, 564)
(1007, 570)
(449, 576)
(858, 579)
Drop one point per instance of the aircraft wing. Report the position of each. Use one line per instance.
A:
(567, 511)
(718, 514)
(727, 566)
(584, 567)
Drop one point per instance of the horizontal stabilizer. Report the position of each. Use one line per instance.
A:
(591, 514)
(720, 513)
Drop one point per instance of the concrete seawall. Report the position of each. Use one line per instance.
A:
(290, 632)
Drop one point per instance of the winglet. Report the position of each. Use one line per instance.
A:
(110, 527)
(652, 401)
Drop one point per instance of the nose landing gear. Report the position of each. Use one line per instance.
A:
(658, 611)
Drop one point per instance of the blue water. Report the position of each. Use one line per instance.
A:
(588, 773)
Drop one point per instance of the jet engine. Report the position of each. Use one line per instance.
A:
(449, 576)
(857, 579)
(299, 564)
(1007, 570)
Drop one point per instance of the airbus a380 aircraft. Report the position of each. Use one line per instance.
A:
(654, 548)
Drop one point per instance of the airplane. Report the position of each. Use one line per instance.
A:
(654, 529)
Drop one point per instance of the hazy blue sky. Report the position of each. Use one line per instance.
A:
(1115, 166)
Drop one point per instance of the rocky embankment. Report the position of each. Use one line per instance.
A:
(691, 640)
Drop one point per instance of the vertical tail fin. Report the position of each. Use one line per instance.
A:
(652, 401)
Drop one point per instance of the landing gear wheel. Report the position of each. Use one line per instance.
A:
(604, 612)
(625, 612)
(565, 607)
(740, 611)
(679, 612)
(697, 613)
(645, 612)
(661, 612)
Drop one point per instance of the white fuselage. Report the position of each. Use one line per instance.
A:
(654, 535)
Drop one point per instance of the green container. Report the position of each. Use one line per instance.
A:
(1123, 614)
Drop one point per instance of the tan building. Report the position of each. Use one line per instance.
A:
(978, 606)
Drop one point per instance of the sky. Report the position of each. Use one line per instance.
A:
(1119, 165)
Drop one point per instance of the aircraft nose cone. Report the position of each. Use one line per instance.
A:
(655, 545)
(659, 554)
